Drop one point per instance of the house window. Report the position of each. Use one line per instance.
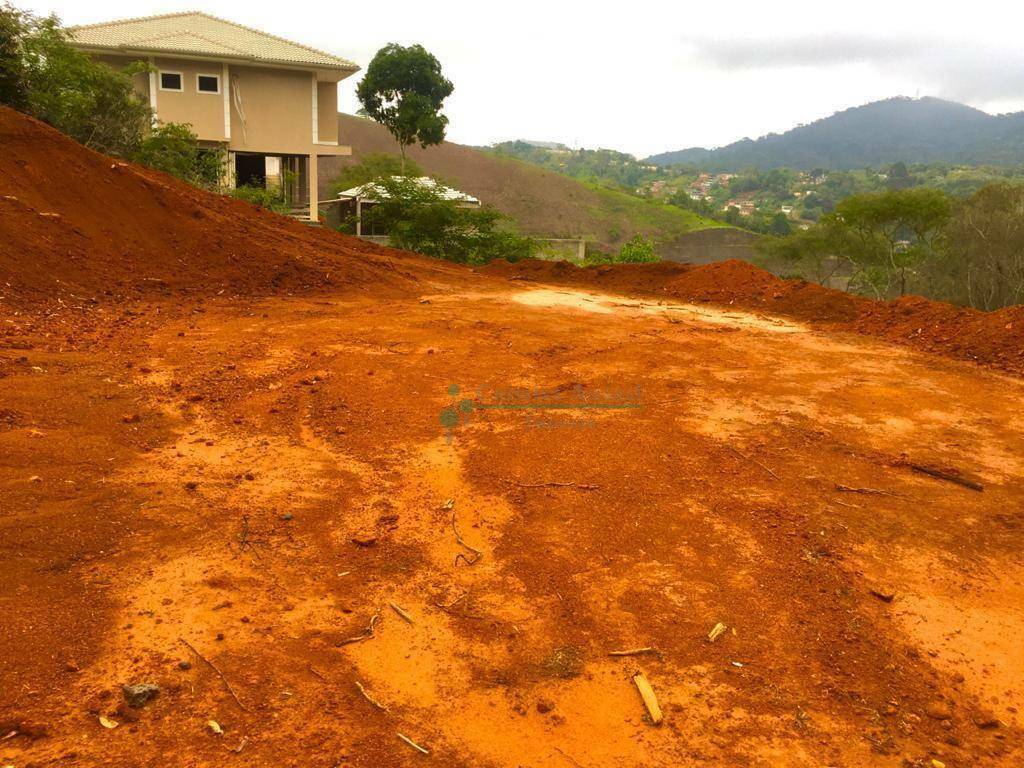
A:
(208, 83)
(170, 81)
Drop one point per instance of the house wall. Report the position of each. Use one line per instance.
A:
(278, 109)
(327, 112)
(203, 111)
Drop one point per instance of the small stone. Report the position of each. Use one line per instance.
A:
(938, 710)
(287, 516)
(191, 485)
(885, 594)
(140, 694)
(544, 706)
(364, 541)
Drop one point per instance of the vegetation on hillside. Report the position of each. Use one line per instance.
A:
(925, 130)
(966, 250)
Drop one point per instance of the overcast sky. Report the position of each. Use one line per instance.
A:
(645, 76)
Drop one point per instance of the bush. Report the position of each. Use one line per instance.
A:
(174, 149)
(636, 250)
(44, 76)
(419, 218)
(271, 199)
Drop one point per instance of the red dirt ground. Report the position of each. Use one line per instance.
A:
(244, 458)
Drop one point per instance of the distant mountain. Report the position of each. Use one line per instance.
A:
(924, 130)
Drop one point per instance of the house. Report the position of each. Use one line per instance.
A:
(359, 201)
(271, 103)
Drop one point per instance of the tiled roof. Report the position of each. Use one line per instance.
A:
(200, 34)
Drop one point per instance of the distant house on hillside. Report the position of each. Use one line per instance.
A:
(359, 202)
(272, 103)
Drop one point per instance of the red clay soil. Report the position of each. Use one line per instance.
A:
(994, 339)
(337, 501)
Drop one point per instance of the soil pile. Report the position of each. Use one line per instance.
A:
(995, 339)
(75, 224)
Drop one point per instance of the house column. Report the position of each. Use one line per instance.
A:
(314, 202)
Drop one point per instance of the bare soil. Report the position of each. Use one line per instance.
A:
(385, 496)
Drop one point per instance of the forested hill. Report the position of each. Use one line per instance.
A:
(925, 130)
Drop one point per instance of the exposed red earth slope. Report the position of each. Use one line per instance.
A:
(228, 468)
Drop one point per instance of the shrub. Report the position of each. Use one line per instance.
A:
(174, 149)
(419, 218)
(636, 250)
(271, 199)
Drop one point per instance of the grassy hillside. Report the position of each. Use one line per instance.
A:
(542, 202)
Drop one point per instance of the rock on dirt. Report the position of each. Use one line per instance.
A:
(140, 694)
(938, 710)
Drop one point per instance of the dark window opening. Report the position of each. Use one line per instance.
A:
(250, 171)
(208, 84)
(170, 81)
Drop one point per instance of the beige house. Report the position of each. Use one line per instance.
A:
(271, 102)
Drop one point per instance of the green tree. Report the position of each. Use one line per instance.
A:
(91, 102)
(404, 90)
(984, 244)
(13, 77)
(893, 234)
(899, 177)
(174, 149)
(780, 225)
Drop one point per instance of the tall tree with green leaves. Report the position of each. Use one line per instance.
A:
(404, 90)
(13, 77)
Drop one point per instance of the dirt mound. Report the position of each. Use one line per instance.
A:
(995, 339)
(75, 224)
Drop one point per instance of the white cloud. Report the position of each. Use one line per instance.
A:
(652, 75)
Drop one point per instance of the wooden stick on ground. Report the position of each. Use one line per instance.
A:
(635, 652)
(366, 634)
(752, 460)
(876, 491)
(581, 486)
(220, 674)
(370, 698)
(647, 694)
(940, 474)
(413, 744)
(401, 612)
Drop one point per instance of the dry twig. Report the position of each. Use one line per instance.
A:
(401, 612)
(366, 634)
(220, 674)
(477, 554)
(950, 477)
(875, 491)
(752, 460)
(552, 484)
(370, 698)
(635, 652)
(413, 744)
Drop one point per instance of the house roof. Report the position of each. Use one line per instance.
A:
(200, 34)
(372, 190)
